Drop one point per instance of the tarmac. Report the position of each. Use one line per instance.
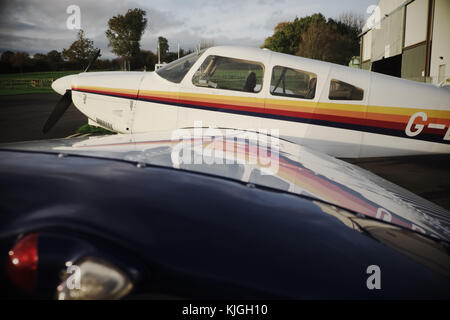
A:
(23, 116)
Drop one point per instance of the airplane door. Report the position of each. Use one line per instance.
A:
(292, 94)
(156, 107)
(341, 112)
(223, 92)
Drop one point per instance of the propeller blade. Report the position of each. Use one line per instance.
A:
(58, 111)
(96, 54)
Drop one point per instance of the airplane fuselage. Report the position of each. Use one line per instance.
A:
(368, 115)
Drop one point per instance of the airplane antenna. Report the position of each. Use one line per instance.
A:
(91, 62)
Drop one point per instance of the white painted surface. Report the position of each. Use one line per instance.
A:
(367, 46)
(379, 91)
(441, 41)
(389, 32)
(416, 22)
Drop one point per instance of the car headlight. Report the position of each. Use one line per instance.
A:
(93, 279)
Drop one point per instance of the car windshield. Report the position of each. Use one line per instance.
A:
(176, 70)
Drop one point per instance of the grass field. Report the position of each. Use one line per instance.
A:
(32, 82)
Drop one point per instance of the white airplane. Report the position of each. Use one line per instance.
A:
(337, 110)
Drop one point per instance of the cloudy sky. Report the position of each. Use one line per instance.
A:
(40, 25)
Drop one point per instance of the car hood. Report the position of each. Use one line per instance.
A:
(264, 161)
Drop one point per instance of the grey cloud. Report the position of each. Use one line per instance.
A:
(36, 26)
(22, 26)
(188, 40)
(275, 18)
(29, 44)
(40, 25)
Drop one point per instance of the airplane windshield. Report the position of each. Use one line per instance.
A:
(176, 70)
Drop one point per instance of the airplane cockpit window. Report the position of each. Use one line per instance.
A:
(176, 70)
(340, 90)
(293, 83)
(229, 74)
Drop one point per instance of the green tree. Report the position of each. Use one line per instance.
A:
(144, 60)
(315, 37)
(40, 63)
(54, 56)
(6, 56)
(5, 62)
(39, 56)
(20, 60)
(323, 42)
(350, 24)
(80, 51)
(287, 35)
(125, 31)
(163, 48)
(54, 59)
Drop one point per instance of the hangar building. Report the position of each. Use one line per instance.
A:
(408, 39)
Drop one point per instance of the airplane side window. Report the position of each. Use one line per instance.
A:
(288, 82)
(229, 74)
(340, 90)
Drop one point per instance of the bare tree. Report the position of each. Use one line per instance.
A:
(352, 19)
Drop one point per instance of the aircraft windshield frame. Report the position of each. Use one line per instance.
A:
(177, 70)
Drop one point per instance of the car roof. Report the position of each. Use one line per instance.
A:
(263, 160)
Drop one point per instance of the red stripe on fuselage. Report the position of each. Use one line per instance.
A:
(294, 114)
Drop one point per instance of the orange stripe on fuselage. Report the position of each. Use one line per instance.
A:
(271, 105)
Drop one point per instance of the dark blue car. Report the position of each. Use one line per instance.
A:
(133, 216)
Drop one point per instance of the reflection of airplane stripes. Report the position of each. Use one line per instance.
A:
(381, 120)
(303, 178)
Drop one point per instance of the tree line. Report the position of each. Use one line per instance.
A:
(316, 37)
(312, 37)
(124, 34)
(15, 62)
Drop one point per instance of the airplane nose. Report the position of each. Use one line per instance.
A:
(62, 84)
